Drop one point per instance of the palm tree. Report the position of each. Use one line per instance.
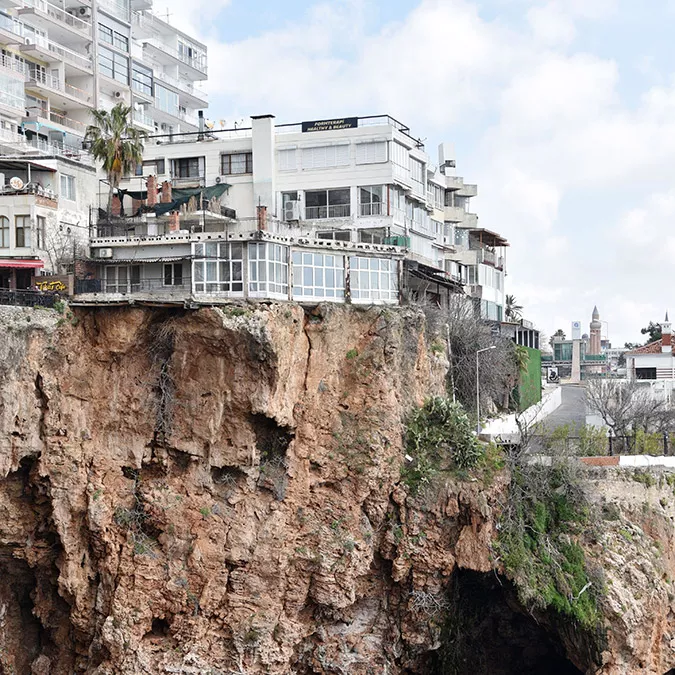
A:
(514, 311)
(116, 143)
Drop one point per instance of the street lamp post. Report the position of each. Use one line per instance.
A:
(486, 349)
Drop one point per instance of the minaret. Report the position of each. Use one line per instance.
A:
(596, 331)
(666, 337)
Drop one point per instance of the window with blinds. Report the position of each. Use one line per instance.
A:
(286, 160)
(371, 153)
(325, 157)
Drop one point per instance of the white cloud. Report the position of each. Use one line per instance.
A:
(554, 131)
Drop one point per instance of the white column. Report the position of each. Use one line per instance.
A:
(264, 164)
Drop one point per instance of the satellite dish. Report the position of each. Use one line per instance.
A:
(16, 183)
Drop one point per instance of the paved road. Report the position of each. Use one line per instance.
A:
(572, 411)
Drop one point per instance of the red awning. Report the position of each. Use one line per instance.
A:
(21, 263)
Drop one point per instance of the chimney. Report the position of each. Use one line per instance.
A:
(666, 336)
(151, 185)
(166, 192)
(262, 217)
(174, 221)
(200, 116)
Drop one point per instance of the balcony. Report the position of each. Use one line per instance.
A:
(163, 52)
(78, 127)
(374, 209)
(188, 181)
(186, 89)
(323, 212)
(117, 8)
(56, 21)
(151, 285)
(455, 214)
(143, 120)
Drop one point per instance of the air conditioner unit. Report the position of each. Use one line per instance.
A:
(292, 210)
(218, 180)
(118, 94)
(105, 253)
(84, 12)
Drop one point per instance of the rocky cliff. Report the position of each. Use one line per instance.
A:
(218, 491)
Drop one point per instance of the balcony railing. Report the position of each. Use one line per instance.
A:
(70, 56)
(77, 93)
(118, 8)
(8, 62)
(127, 287)
(142, 118)
(45, 79)
(13, 100)
(198, 63)
(374, 209)
(181, 86)
(27, 298)
(80, 127)
(322, 212)
(60, 15)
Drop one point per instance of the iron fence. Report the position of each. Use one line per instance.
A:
(25, 298)
(167, 285)
(601, 445)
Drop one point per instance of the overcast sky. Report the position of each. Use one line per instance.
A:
(562, 111)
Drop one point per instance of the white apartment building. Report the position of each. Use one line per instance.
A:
(44, 214)
(363, 187)
(60, 59)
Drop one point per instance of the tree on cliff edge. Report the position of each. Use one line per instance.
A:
(116, 143)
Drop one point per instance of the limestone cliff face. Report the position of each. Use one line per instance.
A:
(218, 491)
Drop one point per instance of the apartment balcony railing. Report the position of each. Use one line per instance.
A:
(198, 63)
(188, 181)
(190, 119)
(45, 79)
(12, 100)
(322, 212)
(374, 209)
(77, 126)
(60, 15)
(9, 63)
(117, 7)
(181, 86)
(11, 137)
(142, 118)
(77, 93)
(153, 284)
(70, 56)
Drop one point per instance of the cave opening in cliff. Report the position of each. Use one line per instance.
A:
(488, 633)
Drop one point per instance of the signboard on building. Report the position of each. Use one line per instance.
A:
(576, 330)
(331, 125)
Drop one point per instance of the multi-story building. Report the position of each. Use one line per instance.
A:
(362, 187)
(60, 59)
(44, 214)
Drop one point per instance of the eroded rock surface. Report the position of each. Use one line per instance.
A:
(217, 491)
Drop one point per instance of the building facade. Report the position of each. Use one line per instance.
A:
(60, 59)
(356, 185)
(44, 213)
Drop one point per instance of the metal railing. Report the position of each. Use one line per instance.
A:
(129, 287)
(142, 118)
(68, 55)
(181, 86)
(119, 9)
(601, 444)
(321, 212)
(60, 15)
(77, 93)
(198, 63)
(374, 209)
(8, 62)
(80, 127)
(14, 101)
(45, 79)
(27, 298)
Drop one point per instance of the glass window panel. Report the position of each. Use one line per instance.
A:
(237, 251)
(199, 271)
(236, 271)
(211, 250)
(211, 271)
